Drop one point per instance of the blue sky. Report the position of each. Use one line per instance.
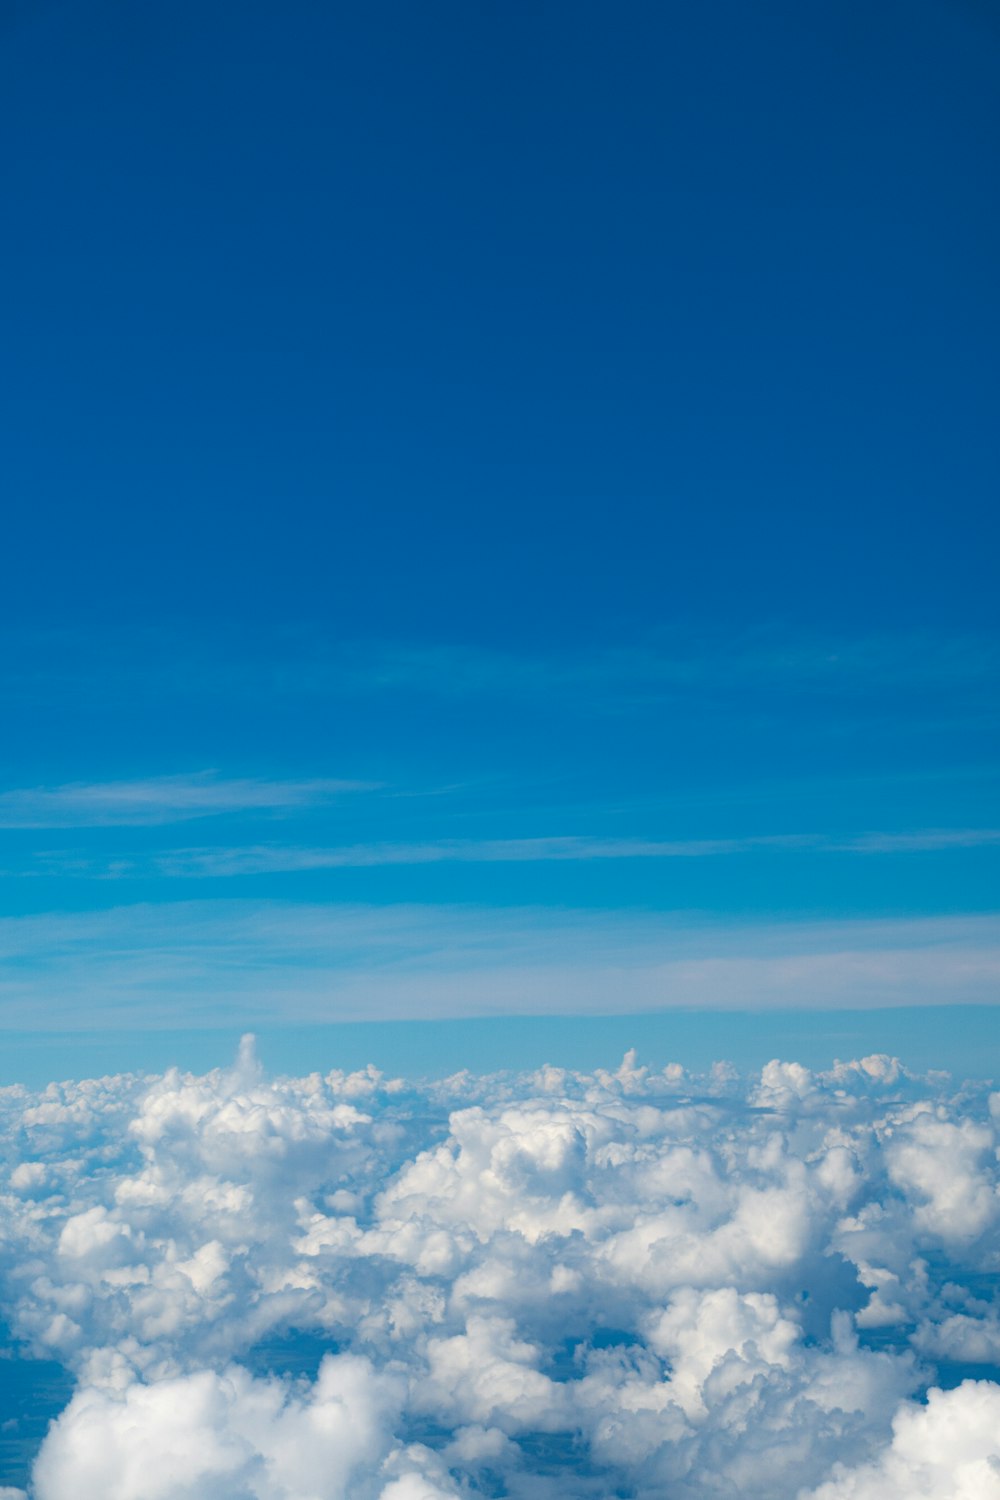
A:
(500, 513)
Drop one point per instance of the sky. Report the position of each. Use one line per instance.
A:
(499, 779)
(499, 522)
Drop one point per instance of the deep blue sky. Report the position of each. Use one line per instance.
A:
(566, 421)
(502, 322)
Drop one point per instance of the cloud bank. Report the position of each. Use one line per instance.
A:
(777, 1287)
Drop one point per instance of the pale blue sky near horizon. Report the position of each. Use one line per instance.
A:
(501, 521)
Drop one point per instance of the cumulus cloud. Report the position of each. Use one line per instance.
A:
(630, 1281)
(222, 1435)
(946, 1450)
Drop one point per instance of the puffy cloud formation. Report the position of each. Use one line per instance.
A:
(631, 1282)
(222, 1433)
(946, 1450)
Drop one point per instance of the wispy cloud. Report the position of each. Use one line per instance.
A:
(207, 963)
(925, 840)
(264, 859)
(161, 799)
(672, 664)
(304, 661)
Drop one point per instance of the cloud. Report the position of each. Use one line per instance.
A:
(243, 962)
(162, 799)
(631, 1281)
(297, 662)
(269, 859)
(222, 1435)
(946, 1450)
(928, 840)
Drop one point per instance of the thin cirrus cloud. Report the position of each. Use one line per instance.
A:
(162, 799)
(237, 962)
(262, 859)
(296, 662)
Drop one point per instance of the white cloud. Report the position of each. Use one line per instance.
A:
(704, 1286)
(946, 1450)
(172, 964)
(247, 859)
(161, 799)
(221, 1436)
(948, 1169)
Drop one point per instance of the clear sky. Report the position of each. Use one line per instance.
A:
(500, 510)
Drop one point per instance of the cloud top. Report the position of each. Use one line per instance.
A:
(632, 1281)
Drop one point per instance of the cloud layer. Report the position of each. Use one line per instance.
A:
(547, 1285)
(241, 962)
